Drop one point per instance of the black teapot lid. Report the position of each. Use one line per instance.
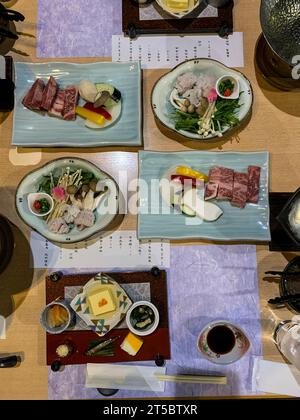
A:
(6, 243)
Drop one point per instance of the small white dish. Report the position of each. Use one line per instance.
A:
(32, 197)
(236, 91)
(148, 330)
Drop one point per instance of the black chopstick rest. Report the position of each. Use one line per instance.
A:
(9, 361)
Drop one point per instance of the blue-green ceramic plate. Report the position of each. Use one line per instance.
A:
(31, 129)
(250, 223)
(30, 183)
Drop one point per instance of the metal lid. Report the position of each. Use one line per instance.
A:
(280, 22)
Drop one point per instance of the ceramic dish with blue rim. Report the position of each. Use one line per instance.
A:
(200, 76)
(156, 219)
(77, 215)
(32, 129)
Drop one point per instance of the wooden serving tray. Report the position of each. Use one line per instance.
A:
(133, 26)
(154, 344)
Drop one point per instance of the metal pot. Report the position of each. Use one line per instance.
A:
(289, 286)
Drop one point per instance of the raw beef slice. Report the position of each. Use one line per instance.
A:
(224, 178)
(58, 105)
(49, 94)
(240, 190)
(253, 184)
(211, 190)
(33, 98)
(71, 98)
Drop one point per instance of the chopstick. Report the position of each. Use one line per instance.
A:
(193, 379)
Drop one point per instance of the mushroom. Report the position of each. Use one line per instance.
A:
(72, 189)
(88, 201)
(93, 185)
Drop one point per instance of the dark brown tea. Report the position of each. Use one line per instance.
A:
(220, 339)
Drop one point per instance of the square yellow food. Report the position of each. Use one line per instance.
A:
(131, 344)
(178, 5)
(101, 302)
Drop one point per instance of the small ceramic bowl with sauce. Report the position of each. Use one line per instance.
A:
(142, 318)
(228, 87)
(40, 204)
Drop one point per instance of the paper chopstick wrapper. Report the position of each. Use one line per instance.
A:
(275, 378)
(113, 376)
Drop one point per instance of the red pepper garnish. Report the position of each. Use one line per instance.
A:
(227, 92)
(100, 110)
(37, 205)
(183, 179)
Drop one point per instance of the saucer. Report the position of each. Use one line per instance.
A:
(242, 344)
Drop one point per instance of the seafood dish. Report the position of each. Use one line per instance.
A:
(76, 195)
(202, 99)
(101, 108)
(67, 200)
(199, 108)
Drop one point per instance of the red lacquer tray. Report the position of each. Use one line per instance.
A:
(155, 344)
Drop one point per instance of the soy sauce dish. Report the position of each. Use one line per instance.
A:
(142, 318)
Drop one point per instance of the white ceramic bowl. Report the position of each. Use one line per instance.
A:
(236, 91)
(152, 327)
(32, 197)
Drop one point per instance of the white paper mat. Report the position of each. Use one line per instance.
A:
(168, 51)
(118, 250)
(276, 378)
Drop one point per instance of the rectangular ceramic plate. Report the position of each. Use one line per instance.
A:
(250, 223)
(30, 129)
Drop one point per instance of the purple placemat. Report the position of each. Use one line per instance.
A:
(77, 28)
(204, 283)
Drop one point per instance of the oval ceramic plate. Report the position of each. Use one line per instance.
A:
(162, 108)
(178, 14)
(30, 183)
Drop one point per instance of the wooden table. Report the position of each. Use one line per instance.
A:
(274, 126)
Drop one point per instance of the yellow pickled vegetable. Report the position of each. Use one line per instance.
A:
(186, 171)
(90, 115)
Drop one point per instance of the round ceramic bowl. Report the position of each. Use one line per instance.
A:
(179, 15)
(236, 90)
(61, 328)
(105, 212)
(32, 197)
(240, 348)
(149, 329)
(160, 97)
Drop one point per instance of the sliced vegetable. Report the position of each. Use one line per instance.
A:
(101, 98)
(185, 179)
(186, 210)
(114, 93)
(90, 115)
(207, 211)
(100, 110)
(189, 172)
